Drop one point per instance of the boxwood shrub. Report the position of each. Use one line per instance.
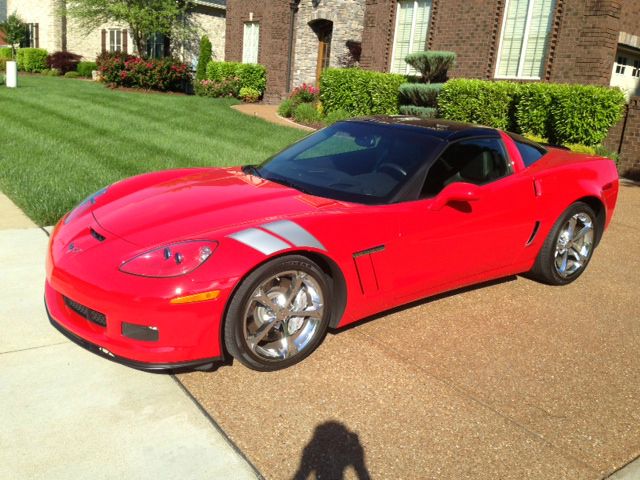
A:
(32, 59)
(424, 112)
(85, 69)
(420, 94)
(360, 92)
(250, 75)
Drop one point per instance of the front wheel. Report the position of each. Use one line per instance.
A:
(279, 314)
(568, 248)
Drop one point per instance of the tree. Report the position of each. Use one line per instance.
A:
(143, 17)
(14, 30)
(204, 58)
(432, 65)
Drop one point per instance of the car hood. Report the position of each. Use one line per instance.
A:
(198, 204)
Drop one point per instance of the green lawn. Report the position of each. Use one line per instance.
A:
(62, 139)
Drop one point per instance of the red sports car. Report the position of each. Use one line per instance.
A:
(178, 268)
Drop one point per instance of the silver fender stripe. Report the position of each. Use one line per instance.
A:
(294, 233)
(261, 241)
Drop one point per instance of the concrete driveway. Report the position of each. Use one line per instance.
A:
(512, 380)
(68, 414)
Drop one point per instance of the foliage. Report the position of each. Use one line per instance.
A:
(2, 80)
(418, 111)
(584, 113)
(532, 109)
(249, 95)
(51, 72)
(143, 17)
(478, 101)
(360, 92)
(228, 87)
(250, 75)
(336, 116)
(204, 58)
(85, 69)
(286, 108)
(72, 74)
(63, 61)
(304, 94)
(306, 113)
(72, 138)
(576, 147)
(420, 94)
(32, 59)
(3, 64)
(14, 30)
(105, 57)
(5, 53)
(432, 65)
(152, 74)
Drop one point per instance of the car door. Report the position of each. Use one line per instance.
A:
(475, 217)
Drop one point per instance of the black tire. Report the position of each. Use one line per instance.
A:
(545, 268)
(242, 314)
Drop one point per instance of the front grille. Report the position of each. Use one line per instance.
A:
(91, 315)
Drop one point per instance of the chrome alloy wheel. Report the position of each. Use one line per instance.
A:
(283, 315)
(574, 244)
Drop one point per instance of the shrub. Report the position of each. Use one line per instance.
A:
(63, 61)
(5, 53)
(478, 101)
(286, 108)
(108, 57)
(532, 109)
(32, 59)
(584, 113)
(3, 64)
(304, 94)
(581, 149)
(249, 95)
(229, 87)
(85, 69)
(420, 94)
(307, 113)
(424, 112)
(2, 80)
(153, 74)
(250, 75)
(72, 75)
(204, 58)
(360, 92)
(51, 72)
(432, 65)
(336, 116)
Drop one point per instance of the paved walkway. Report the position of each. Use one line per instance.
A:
(268, 113)
(68, 414)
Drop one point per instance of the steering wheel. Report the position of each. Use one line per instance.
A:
(392, 166)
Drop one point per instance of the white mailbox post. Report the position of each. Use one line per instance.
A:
(12, 74)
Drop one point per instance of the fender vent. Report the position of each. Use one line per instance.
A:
(536, 227)
(97, 236)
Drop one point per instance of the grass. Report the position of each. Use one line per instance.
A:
(62, 139)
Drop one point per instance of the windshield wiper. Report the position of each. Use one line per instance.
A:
(290, 184)
(251, 170)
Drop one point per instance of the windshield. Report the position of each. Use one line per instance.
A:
(359, 162)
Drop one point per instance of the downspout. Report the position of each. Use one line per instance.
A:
(292, 25)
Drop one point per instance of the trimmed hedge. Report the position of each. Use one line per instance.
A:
(424, 112)
(250, 75)
(85, 69)
(565, 114)
(479, 101)
(420, 94)
(360, 92)
(5, 53)
(32, 59)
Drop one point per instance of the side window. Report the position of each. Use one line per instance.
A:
(478, 161)
(529, 153)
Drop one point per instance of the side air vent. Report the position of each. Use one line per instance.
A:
(97, 236)
(536, 227)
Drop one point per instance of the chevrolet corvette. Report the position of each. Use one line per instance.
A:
(184, 268)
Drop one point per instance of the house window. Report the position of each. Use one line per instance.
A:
(115, 40)
(621, 65)
(636, 68)
(412, 25)
(250, 42)
(525, 38)
(155, 45)
(31, 38)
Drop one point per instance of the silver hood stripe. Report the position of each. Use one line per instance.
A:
(294, 233)
(259, 240)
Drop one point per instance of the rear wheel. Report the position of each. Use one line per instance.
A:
(279, 314)
(568, 248)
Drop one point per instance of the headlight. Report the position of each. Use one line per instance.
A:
(170, 260)
(84, 205)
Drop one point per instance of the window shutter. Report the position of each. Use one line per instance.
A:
(36, 33)
(104, 40)
(125, 41)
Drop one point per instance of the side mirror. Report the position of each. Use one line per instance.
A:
(455, 192)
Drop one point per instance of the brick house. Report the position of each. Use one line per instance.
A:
(49, 30)
(577, 41)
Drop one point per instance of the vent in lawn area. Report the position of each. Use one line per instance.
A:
(85, 312)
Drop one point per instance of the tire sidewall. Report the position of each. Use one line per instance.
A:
(234, 320)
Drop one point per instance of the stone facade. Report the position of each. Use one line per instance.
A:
(347, 17)
(45, 14)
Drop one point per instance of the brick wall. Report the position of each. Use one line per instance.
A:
(630, 17)
(377, 36)
(624, 138)
(274, 17)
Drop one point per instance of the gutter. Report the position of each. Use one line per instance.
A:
(204, 3)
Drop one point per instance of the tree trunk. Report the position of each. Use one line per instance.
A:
(139, 42)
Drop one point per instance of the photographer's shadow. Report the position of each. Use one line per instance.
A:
(330, 452)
